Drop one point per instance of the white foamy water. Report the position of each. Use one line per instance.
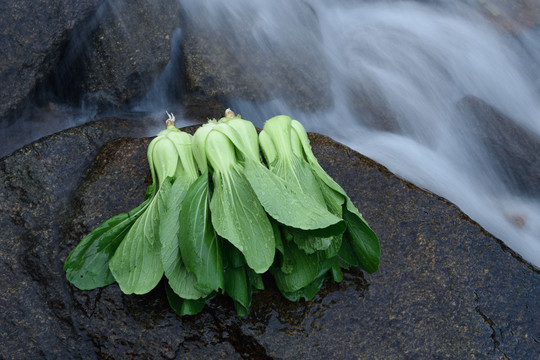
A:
(398, 69)
(416, 61)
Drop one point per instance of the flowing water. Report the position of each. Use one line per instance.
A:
(398, 71)
(416, 61)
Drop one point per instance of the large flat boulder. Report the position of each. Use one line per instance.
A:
(445, 288)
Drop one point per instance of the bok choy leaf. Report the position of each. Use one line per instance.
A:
(237, 214)
(359, 236)
(301, 211)
(87, 266)
(198, 242)
(136, 265)
(180, 279)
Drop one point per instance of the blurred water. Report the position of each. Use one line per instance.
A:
(414, 61)
(398, 69)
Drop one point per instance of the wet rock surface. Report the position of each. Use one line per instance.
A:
(445, 287)
(32, 36)
(201, 108)
(36, 183)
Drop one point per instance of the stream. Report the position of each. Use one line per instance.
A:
(400, 74)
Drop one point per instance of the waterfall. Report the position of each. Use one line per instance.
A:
(446, 94)
(402, 76)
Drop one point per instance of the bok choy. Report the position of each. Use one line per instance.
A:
(313, 255)
(226, 206)
(237, 214)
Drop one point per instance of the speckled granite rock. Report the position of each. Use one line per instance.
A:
(445, 287)
(36, 183)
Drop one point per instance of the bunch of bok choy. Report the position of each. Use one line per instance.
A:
(219, 214)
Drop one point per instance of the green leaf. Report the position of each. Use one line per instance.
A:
(308, 292)
(181, 280)
(277, 235)
(327, 267)
(337, 275)
(169, 224)
(301, 210)
(359, 236)
(363, 240)
(347, 252)
(240, 280)
(310, 244)
(184, 306)
(333, 199)
(312, 160)
(297, 173)
(255, 280)
(237, 215)
(136, 264)
(87, 266)
(149, 192)
(149, 152)
(334, 247)
(232, 257)
(279, 141)
(242, 134)
(186, 167)
(184, 282)
(238, 288)
(198, 241)
(199, 146)
(164, 158)
(301, 268)
(267, 147)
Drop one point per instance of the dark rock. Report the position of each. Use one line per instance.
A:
(36, 183)
(445, 287)
(232, 55)
(32, 36)
(369, 102)
(116, 57)
(201, 108)
(95, 198)
(515, 152)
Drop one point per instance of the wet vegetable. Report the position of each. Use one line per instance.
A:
(218, 215)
